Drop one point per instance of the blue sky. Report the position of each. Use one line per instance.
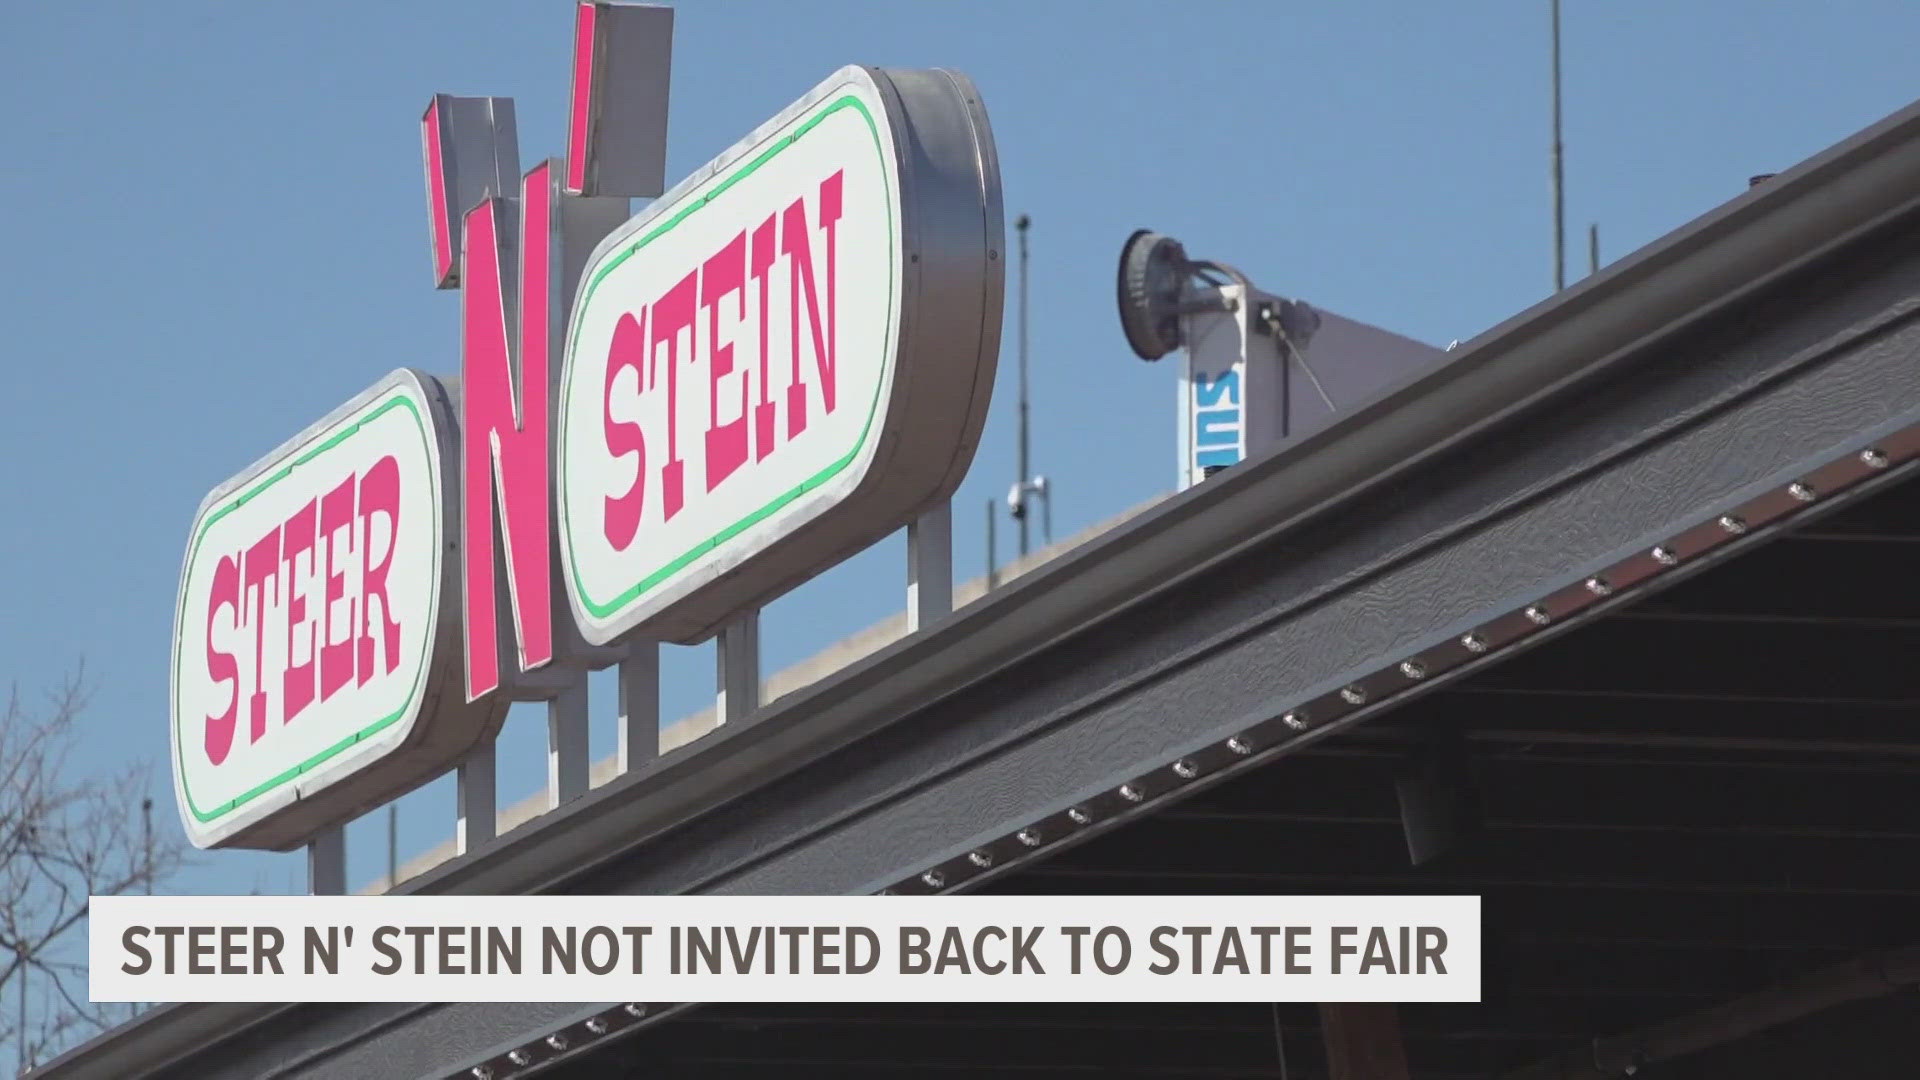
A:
(215, 232)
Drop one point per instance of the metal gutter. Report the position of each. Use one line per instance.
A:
(159, 1037)
(777, 685)
(1585, 332)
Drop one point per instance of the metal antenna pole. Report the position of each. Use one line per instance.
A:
(1020, 488)
(24, 1064)
(146, 841)
(1559, 195)
(1593, 249)
(146, 848)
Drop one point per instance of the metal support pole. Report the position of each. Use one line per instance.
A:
(1559, 194)
(393, 845)
(476, 804)
(327, 862)
(639, 676)
(930, 567)
(567, 744)
(1021, 482)
(993, 557)
(737, 657)
(1593, 249)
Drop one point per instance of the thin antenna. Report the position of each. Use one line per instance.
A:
(1021, 481)
(1559, 195)
(25, 1063)
(146, 841)
(1593, 249)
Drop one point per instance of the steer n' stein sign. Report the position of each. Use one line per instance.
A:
(781, 359)
(669, 418)
(311, 645)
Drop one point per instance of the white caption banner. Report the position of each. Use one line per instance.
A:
(785, 949)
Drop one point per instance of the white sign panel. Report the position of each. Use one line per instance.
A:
(307, 640)
(783, 359)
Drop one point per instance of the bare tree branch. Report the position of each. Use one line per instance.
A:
(65, 837)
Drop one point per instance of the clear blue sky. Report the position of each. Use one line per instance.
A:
(215, 232)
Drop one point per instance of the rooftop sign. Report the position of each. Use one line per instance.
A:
(779, 362)
(310, 643)
(783, 359)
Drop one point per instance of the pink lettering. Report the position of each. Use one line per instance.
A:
(629, 348)
(763, 257)
(672, 313)
(297, 681)
(726, 443)
(336, 657)
(221, 666)
(263, 562)
(379, 494)
(794, 245)
(740, 425)
(505, 466)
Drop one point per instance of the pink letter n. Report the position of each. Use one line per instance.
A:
(504, 448)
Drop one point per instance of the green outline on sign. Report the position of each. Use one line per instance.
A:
(403, 398)
(601, 610)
